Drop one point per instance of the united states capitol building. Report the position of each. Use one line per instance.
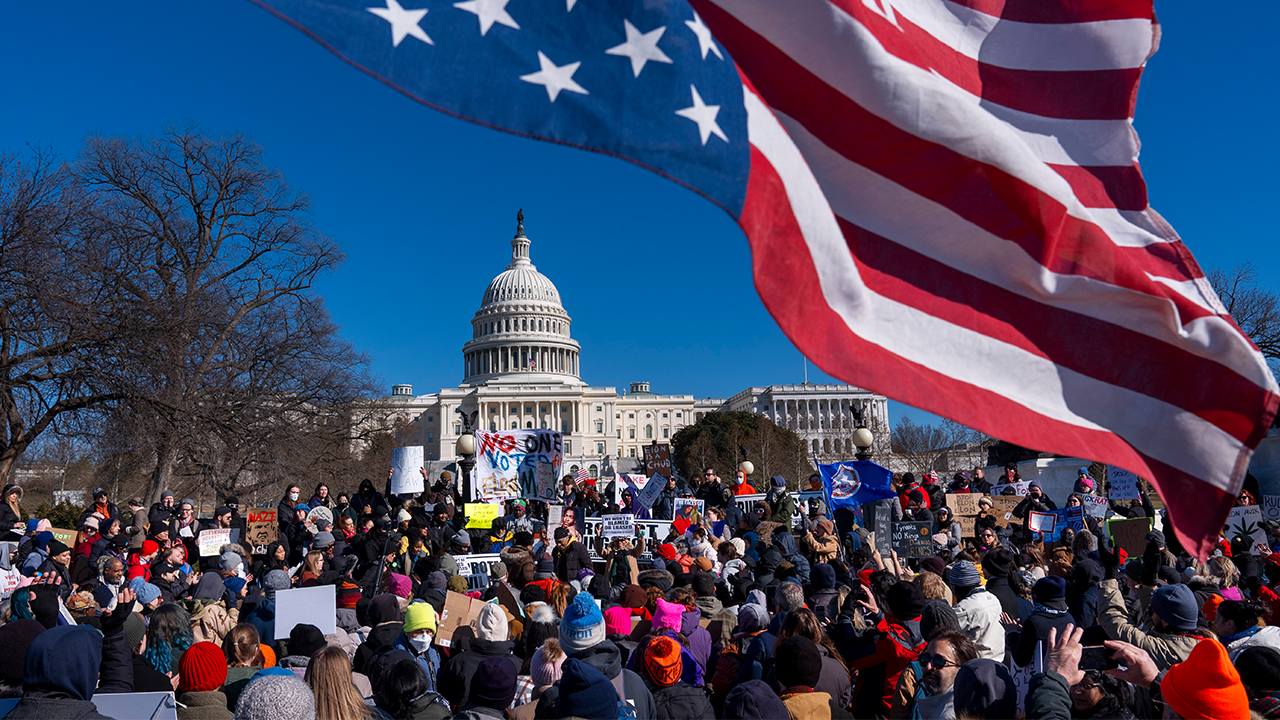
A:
(521, 369)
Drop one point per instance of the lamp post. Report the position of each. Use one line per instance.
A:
(746, 467)
(862, 441)
(466, 449)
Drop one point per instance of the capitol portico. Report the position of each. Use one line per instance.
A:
(521, 369)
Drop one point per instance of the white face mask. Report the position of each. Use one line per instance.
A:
(421, 643)
(293, 496)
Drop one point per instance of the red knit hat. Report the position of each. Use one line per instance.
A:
(662, 661)
(150, 547)
(1210, 606)
(1206, 686)
(667, 551)
(203, 668)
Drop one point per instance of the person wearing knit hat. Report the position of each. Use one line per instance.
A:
(905, 600)
(936, 617)
(493, 686)
(203, 671)
(1049, 613)
(754, 700)
(673, 698)
(271, 696)
(977, 610)
(667, 615)
(634, 597)
(457, 584)
(399, 585)
(305, 640)
(1259, 669)
(582, 625)
(1206, 685)
(584, 692)
(797, 668)
(418, 637)
(1175, 606)
(544, 669)
(230, 561)
(752, 619)
(275, 581)
(617, 620)
(661, 661)
(148, 595)
(702, 564)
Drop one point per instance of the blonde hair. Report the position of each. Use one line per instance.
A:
(932, 586)
(329, 675)
(314, 563)
(1221, 569)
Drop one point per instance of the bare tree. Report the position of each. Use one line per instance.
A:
(937, 447)
(1256, 311)
(218, 260)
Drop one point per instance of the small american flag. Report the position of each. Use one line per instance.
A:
(581, 476)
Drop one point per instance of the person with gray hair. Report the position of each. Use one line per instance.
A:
(1085, 543)
(263, 615)
(787, 596)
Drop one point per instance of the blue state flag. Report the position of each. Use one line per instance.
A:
(850, 484)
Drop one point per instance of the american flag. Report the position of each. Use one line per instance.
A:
(942, 197)
(582, 476)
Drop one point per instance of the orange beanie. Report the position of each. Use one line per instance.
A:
(268, 656)
(1206, 686)
(662, 661)
(1210, 606)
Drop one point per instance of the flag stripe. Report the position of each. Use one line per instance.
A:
(1106, 186)
(1061, 11)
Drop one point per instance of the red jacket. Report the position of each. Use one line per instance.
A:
(896, 648)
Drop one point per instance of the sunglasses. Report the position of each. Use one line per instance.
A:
(936, 660)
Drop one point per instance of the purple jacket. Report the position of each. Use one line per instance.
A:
(699, 638)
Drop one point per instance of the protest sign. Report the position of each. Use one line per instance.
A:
(968, 526)
(460, 618)
(1271, 507)
(212, 540)
(689, 510)
(128, 706)
(319, 513)
(1124, 484)
(912, 539)
(1246, 521)
(554, 512)
(262, 528)
(472, 564)
(765, 531)
(481, 515)
(9, 579)
(508, 599)
(618, 526)
(1002, 507)
(1094, 505)
(963, 503)
(1020, 488)
(306, 606)
(546, 478)
(1042, 522)
(66, 537)
(657, 459)
(1130, 534)
(406, 470)
(507, 462)
(651, 490)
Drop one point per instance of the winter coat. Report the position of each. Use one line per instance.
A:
(682, 701)
(429, 661)
(824, 550)
(520, 566)
(203, 706)
(455, 678)
(699, 638)
(1266, 636)
(664, 505)
(263, 617)
(828, 599)
(719, 619)
(473, 712)
(834, 680)
(786, 544)
(757, 653)
(1165, 650)
(382, 635)
(1049, 697)
(782, 505)
(571, 559)
(1036, 629)
(606, 658)
(1004, 592)
(979, 617)
(812, 706)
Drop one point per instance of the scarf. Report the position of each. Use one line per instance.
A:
(1038, 608)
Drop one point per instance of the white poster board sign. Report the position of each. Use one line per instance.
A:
(651, 490)
(1094, 505)
(1042, 522)
(1247, 521)
(137, 706)
(546, 477)
(212, 540)
(1271, 507)
(618, 526)
(1020, 488)
(406, 470)
(306, 606)
(507, 463)
(1124, 484)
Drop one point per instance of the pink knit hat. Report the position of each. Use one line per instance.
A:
(617, 621)
(400, 585)
(543, 673)
(668, 615)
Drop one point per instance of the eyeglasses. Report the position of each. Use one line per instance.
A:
(708, 474)
(936, 660)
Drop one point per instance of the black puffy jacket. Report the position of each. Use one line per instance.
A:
(682, 701)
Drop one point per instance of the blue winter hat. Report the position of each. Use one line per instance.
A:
(147, 592)
(32, 524)
(582, 626)
(584, 691)
(823, 576)
(1050, 588)
(779, 481)
(234, 584)
(42, 540)
(962, 573)
(1176, 605)
(754, 700)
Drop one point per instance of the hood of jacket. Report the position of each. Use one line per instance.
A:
(64, 661)
(492, 648)
(384, 608)
(603, 656)
(709, 605)
(656, 577)
(689, 621)
(785, 542)
(514, 556)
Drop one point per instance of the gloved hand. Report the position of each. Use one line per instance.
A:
(1152, 561)
(1112, 560)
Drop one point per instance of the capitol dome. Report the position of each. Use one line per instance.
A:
(520, 334)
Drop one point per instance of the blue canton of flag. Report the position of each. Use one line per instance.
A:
(850, 484)
(641, 81)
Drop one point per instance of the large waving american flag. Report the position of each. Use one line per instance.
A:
(942, 197)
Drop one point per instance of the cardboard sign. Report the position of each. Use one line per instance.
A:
(1020, 488)
(968, 526)
(546, 478)
(211, 541)
(1130, 534)
(1246, 521)
(507, 462)
(262, 528)
(1271, 507)
(66, 537)
(1002, 507)
(461, 614)
(481, 515)
(1124, 484)
(618, 526)
(963, 503)
(689, 510)
(1042, 522)
(657, 459)
(406, 470)
(912, 539)
(306, 606)
(1095, 506)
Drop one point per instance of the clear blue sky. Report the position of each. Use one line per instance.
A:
(657, 280)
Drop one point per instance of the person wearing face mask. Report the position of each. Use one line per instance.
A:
(419, 633)
(284, 511)
(741, 486)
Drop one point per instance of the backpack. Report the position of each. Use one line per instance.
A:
(917, 671)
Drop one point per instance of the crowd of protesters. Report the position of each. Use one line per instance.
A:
(761, 608)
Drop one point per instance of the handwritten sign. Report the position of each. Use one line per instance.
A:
(1002, 507)
(1130, 534)
(1271, 507)
(546, 477)
(406, 470)
(461, 613)
(212, 540)
(1094, 506)
(1246, 521)
(306, 606)
(968, 526)
(481, 515)
(1124, 484)
(618, 526)
(657, 459)
(912, 539)
(1042, 522)
(507, 462)
(1020, 488)
(66, 537)
(963, 503)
